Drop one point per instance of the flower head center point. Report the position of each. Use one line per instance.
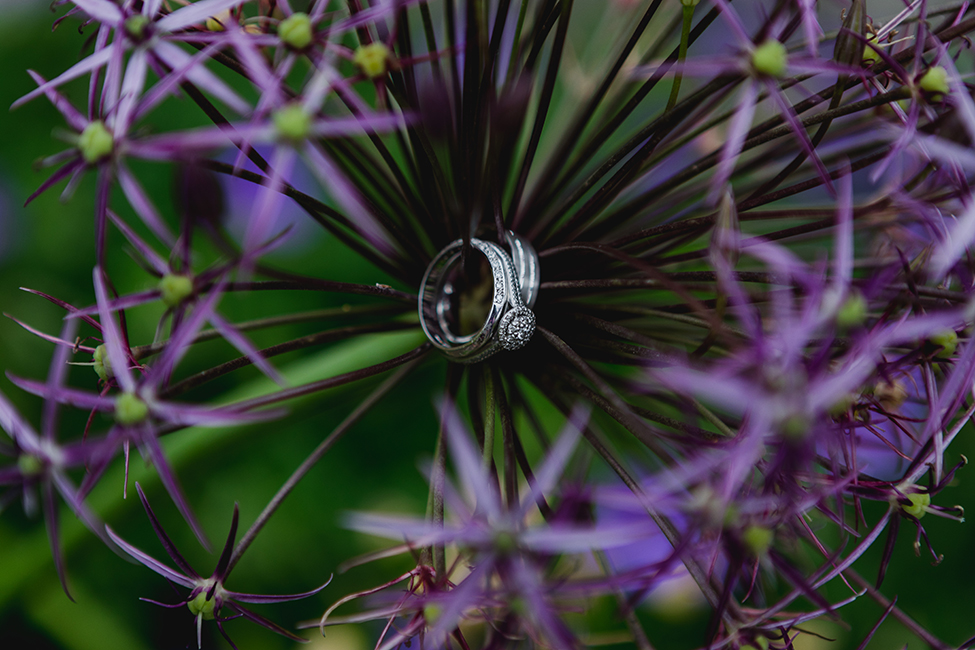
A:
(174, 289)
(292, 122)
(919, 504)
(135, 26)
(102, 363)
(295, 31)
(204, 604)
(947, 341)
(853, 312)
(130, 409)
(30, 465)
(219, 21)
(770, 58)
(870, 52)
(757, 539)
(935, 82)
(95, 142)
(373, 59)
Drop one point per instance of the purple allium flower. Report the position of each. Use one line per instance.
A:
(508, 558)
(208, 597)
(42, 464)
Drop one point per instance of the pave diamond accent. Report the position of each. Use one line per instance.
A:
(517, 327)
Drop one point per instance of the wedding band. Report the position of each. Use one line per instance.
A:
(509, 322)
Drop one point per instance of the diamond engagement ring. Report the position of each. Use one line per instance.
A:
(508, 322)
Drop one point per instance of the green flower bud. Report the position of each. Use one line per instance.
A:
(770, 58)
(295, 31)
(372, 59)
(130, 409)
(219, 22)
(852, 312)
(690, 3)
(175, 289)
(29, 465)
(758, 643)
(757, 539)
(95, 142)
(843, 405)
(102, 363)
(947, 340)
(432, 613)
(505, 542)
(935, 82)
(201, 605)
(795, 427)
(919, 504)
(292, 122)
(871, 52)
(135, 26)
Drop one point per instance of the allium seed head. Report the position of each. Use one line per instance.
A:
(292, 122)
(296, 31)
(770, 58)
(373, 59)
(935, 82)
(130, 409)
(174, 289)
(95, 142)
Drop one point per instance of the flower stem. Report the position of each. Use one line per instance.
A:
(315, 456)
(685, 33)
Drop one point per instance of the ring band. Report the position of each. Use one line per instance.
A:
(509, 322)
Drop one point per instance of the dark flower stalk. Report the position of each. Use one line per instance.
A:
(750, 311)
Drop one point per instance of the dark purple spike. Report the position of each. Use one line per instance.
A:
(224, 633)
(60, 303)
(799, 581)
(164, 538)
(103, 189)
(888, 549)
(51, 519)
(151, 445)
(257, 599)
(181, 603)
(877, 625)
(59, 175)
(263, 622)
(221, 571)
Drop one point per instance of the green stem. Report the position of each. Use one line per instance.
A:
(685, 35)
(516, 42)
(315, 456)
(491, 402)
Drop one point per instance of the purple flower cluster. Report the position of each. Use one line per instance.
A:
(754, 223)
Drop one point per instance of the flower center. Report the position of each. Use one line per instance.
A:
(757, 539)
(919, 504)
(292, 122)
(102, 363)
(372, 59)
(174, 289)
(30, 465)
(295, 31)
(201, 605)
(130, 409)
(95, 142)
(770, 58)
(135, 26)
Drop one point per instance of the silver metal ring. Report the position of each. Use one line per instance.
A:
(509, 322)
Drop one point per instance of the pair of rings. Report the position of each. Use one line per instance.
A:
(509, 322)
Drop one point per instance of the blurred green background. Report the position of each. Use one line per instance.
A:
(49, 246)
